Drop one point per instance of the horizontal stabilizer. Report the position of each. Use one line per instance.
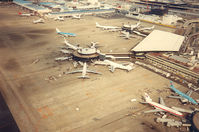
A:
(83, 77)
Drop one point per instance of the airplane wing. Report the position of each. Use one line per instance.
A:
(162, 101)
(138, 33)
(189, 92)
(77, 71)
(90, 71)
(175, 97)
(153, 111)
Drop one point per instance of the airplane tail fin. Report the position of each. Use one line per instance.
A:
(171, 83)
(147, 98)
(83, 77)
(57, 30)
(97, 24)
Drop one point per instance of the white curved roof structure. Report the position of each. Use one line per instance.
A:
(160, 41)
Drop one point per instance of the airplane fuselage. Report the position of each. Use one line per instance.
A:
(120, 66)
(68, 34)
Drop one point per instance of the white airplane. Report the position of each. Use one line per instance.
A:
(26, 14)
(65, 34)
(112, 65)
(59, 18)
(147, 28)
(62, 58)
(107, 27)
(38, 21)
(132, 27)
(84, 72)
(160, 107)
(76, 16)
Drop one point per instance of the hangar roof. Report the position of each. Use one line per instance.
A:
(160, 41)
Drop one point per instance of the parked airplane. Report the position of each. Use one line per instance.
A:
(147, 28)
(26, 14)
(182, 95)
(160, 107)
(59, 18)
(84, 72)
(65, 34)
(107, 27)
(38, 21)
(132, 27)
(76, 16)
(112, 65)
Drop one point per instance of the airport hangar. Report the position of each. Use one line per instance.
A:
(158, 41)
